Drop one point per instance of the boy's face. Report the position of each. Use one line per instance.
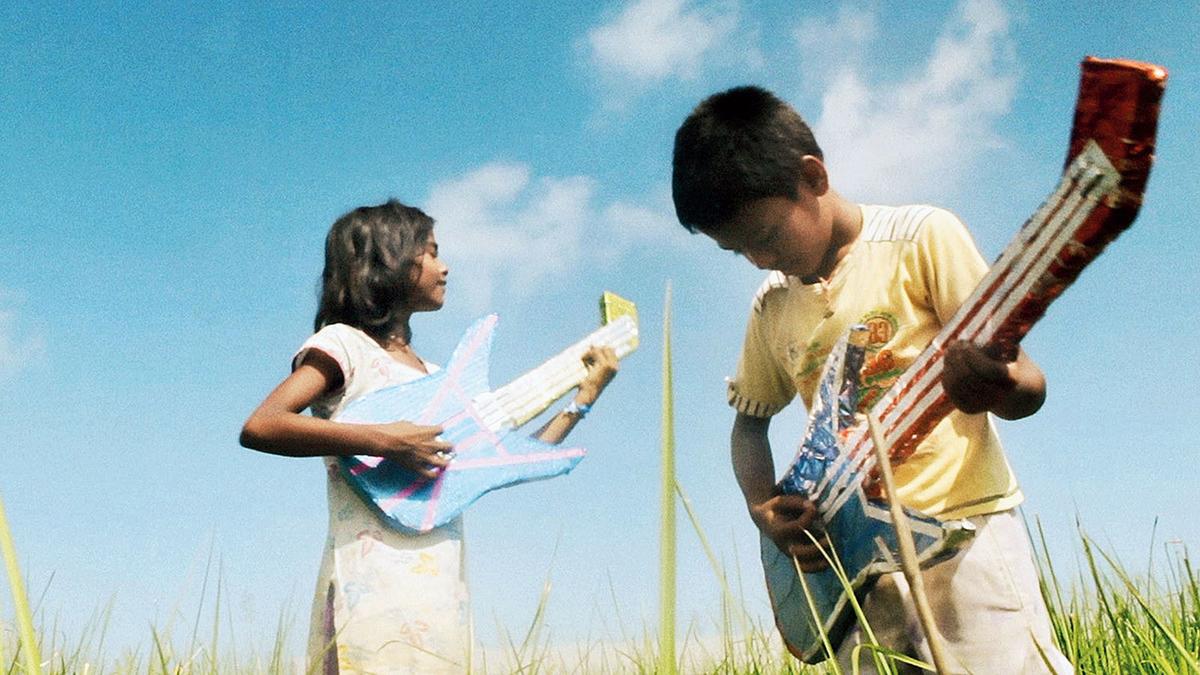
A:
(779, 233)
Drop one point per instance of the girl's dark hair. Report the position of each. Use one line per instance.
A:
(370, 254)
(737, 146)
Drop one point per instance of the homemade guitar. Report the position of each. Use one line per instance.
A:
(480, 423)
(1108, 164)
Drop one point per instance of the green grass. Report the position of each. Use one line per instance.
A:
(25, 650)
(1111, 621)
(1106, 620)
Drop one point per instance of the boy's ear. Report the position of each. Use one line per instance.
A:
(814, 174)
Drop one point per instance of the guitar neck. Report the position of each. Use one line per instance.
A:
(1097, 199)
(530, 394)
(1003, 308)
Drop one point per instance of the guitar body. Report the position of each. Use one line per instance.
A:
(1108, 163)
(860, 529)
(485, 458)
(480, 424)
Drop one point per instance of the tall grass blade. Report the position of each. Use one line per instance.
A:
(29, 646)
(728, 600)
(666, 597)
(1061, 620)
(533, 635)
(816, 617)
(1101, 595)
(191, 650)
(281, 631)
(216, 628)
(163, 660)
(1153, 617)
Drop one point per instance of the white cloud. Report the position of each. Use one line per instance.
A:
(506, 232)
(627, 224)
(509, 232)
(891, 140)
(652, 40)
(17, 350)
(829, 44)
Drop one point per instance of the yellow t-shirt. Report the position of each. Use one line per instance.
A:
(909, 270)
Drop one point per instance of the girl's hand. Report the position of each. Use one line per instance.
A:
(414, 446)
(602, 365)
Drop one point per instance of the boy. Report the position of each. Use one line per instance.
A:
(748, 173)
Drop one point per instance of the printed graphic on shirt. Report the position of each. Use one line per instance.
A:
(812, 360)
(880, 369)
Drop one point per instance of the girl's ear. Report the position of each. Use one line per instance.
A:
(815, 177)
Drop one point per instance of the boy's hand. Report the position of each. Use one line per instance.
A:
(974, 380)
(788, 520)
(978, 381)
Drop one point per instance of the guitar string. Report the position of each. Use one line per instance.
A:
(1031, 283)
(900, 406)
(526, 393)
(976, 309)
(531, 391)
(512, 396)
(980, 324)
(1035, 256)
(924, 408)
(894, 400)
(928, 393)
(571, 371)
(1019, 258)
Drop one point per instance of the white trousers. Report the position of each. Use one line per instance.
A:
(985, 602)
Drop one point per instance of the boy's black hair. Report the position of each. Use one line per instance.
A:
(737, 146)
(370, 254)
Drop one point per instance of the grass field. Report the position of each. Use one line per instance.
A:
(1106, 620)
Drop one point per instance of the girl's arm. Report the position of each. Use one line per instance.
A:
(279, 428)
(601, 363)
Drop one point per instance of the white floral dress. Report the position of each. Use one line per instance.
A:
(390, 601)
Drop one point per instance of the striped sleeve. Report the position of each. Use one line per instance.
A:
(762, 386)
(895, 224)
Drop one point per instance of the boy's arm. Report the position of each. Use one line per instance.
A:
(976, 381)
(782, 518)
(1009, 386)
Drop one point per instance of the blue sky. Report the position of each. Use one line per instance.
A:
(168, 174)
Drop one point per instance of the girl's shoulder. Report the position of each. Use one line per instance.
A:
(353, 350)
(342, 331)
(344, 343)
(365, 365)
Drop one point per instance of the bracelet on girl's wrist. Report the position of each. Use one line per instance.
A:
(579, 410)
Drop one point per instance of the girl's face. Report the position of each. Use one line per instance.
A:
(429, 279)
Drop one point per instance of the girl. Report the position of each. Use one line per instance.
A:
(386, 601)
